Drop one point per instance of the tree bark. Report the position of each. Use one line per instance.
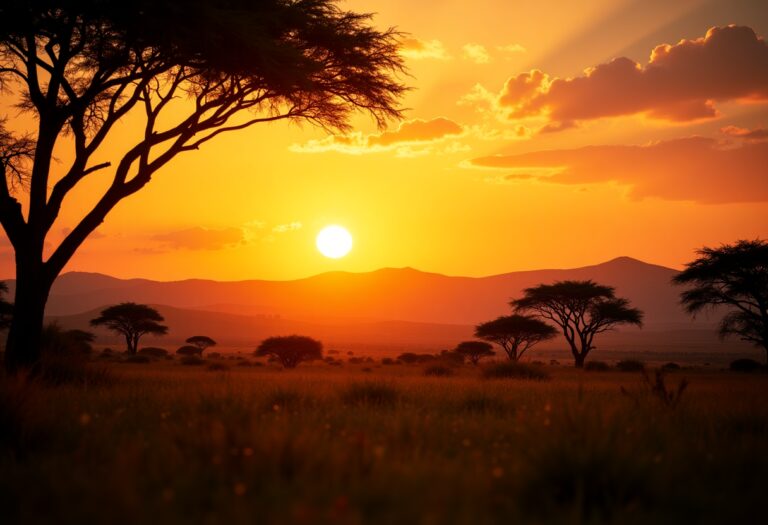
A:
(579, 359)
(33, 285)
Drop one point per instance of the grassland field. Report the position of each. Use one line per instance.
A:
(371, 444)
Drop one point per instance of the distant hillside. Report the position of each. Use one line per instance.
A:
(383, 295)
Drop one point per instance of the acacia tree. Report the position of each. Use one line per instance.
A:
(132, 321)
(81, 66)
(515, 333)
(582, 309)
(474, 350)
(201, 342)
(734, 276)
(291, 350)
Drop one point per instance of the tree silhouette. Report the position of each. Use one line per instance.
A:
(201, 341)
(515, 333)
(6, 308)
(186, 71)
(474, 350)
(734, 276)
(132, 321)
(582, 309)
(291, 350)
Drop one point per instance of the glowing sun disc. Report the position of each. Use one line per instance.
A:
(334, 241)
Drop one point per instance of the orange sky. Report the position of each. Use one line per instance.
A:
(541, 134)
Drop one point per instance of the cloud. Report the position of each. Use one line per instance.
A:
(688, 169)
(416, 49)
(408, 134)
(477, 53)
(749, 135)
(198, 238)
(511, 49)
(680, 83)
(290, 227)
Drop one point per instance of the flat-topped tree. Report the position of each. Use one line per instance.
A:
(184, 72)
(474, 350)
(582, 309)
(201, 341)
(132, 321)
(291, 350)
(734, 277)
(515, 334)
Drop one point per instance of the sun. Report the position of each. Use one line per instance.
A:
(334, 241)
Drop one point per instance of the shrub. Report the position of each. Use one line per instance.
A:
(411, 358)
(192, 360)
(355, 360)
(630, 365)
(513, 370)
(438, 371)
(388, 361)
(370, 394)
(218, 367)
(151, 351)
(745, 365)
(189, 350)
(137, 359)
(669, 367)
(64, 359)
(596, 366)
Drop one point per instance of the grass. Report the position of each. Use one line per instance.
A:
(512, 370)
(166, 443)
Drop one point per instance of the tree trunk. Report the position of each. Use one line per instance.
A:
(22, 349)
(579, 359)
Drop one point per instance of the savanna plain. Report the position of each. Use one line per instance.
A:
(159, 442)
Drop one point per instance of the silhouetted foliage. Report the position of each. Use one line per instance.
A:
(411, 358)
(132, 321)
(201, 341)
(452, 357)
(151, 351)
(734, 276)
(291, 350)
(670, 367)
(597, 366)
(745, 365)
(184, 72)
(513, 370)
(189, 350)
(191, 360)
(515, 333)
(6, 308)
(474, 350)
(630, 365)
(64, 358)
(582, 309)
(438, 371)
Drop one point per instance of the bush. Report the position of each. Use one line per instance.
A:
(630, 365)
(669, 367)
(597, 366)
(438, 371)
(370, 394)
(192, 360)
(137, 359)
(411, 358)
(189, 350)
(355, 360)
(151, 351)
(388, 361)
(218, 367)
(745, 365)
(512, 370)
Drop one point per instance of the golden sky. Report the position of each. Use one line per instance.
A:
(541, 134)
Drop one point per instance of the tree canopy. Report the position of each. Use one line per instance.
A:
(515, 333)
(474, 350)
(733, 276)
(582, 309)
(132, 321)
(201, 341)
(291, 350)
(186, 71)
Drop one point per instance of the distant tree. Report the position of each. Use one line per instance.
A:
(182, 72)
(733, 276)
(582, 309)
(188, 350)
(291, 350)
(132, 321)
(201, 341)
(474, 350)
(516, 334)
(452, 357)
(413, 358)
(6, 308)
